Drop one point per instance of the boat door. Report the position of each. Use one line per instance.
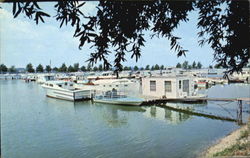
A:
(186, 86)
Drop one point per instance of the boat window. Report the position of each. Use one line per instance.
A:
(66, 83)
(60, 85)
(110, 85)
(186, 86)
(103, 85)
(51, 85)
(152, 85)
(116, 85)
(168, 86)
(180, 84)
(71, 84)
(125, 85)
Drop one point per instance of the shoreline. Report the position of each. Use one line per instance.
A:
(225, 143)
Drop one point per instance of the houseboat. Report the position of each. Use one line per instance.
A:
(66, 90)
(175, 86)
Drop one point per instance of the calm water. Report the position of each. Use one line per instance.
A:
(34, 126)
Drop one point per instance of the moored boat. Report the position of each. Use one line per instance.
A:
(44, 78)
(66, 90)
(118, 99)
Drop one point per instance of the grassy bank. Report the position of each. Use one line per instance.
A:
(235, 144)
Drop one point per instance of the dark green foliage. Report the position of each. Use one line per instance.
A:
(3, 68)
(100, 68)
(152, 68)
(185, 65)
(95, 68)
(199, 65)
(226, 31)
(48, 68)
(39, 68)
(147, 67)
(89, 67)
(125, 68)
(120, 25)
(71, 69)
(12, 69)
(157, 67)
(136, 68)
(83, 68)
(29, 68)
(194, 65)
(76, 67)
(217, 66)
(55, 69)
(31, 10)
(162, 67)
(63, 68)
(178, 65)
(210, 66)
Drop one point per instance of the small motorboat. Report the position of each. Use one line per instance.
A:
(113, 97)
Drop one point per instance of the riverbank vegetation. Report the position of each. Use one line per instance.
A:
(239, 144)
(242, 146)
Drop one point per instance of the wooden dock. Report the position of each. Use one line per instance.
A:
(190, 112)
(162, 103)
(191, 100)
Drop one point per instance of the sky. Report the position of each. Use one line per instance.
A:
(23, 42)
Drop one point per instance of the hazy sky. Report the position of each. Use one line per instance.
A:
(22, 42)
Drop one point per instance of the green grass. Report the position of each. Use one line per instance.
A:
(237, 149)
(244, 134)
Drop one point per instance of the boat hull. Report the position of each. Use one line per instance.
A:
(130, 103)
(67, 94)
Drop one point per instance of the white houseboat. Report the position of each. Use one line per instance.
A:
(176, 86)
(66, 90)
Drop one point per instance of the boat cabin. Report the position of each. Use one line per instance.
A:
(45, 77)
(177, 86)
(61, 84)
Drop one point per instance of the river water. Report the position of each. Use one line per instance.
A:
(34, 126)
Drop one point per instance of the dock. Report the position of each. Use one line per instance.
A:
(162, 103)
(191, 100)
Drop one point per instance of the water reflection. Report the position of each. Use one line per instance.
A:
(34, 126)
(164, 114)
(113, 115)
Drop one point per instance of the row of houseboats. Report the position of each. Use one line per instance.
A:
(128, 89)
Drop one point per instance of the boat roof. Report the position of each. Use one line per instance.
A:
(170, 76)
(111, 81)
(57, 82)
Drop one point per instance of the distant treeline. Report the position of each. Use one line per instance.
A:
(194, 65)
(75, 67)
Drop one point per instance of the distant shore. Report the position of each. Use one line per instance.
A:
(237, 143)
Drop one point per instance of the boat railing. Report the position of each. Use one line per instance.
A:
(110, 94)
